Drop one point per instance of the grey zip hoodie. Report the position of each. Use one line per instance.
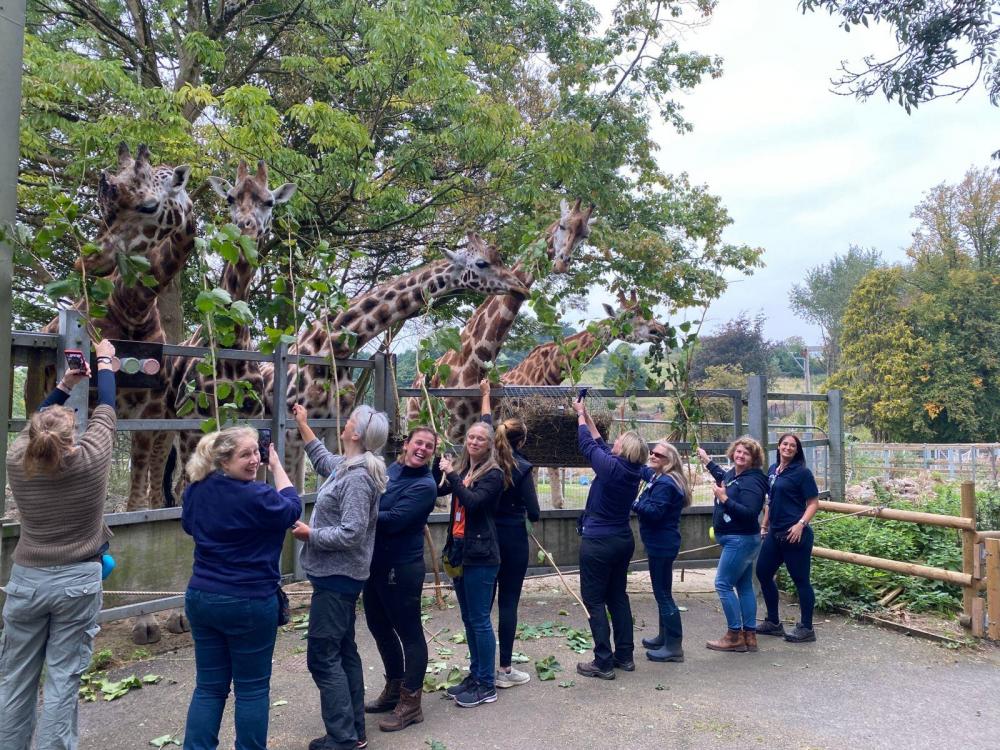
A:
(343, 519)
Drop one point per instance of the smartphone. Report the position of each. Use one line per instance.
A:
(75, 360)
(264, 443)
(583, 393)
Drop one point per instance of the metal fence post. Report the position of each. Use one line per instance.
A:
(757, 409)
(73, 335)
(835, 417)
(279, 423)
(737, 416)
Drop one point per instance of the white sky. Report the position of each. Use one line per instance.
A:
(805, 172)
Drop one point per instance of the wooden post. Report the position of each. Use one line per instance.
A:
(757, 409)
(969, 593)
(993, 588)
(837, 467)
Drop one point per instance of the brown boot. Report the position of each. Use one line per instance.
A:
(750, 638)
(387, 699)
(407, 712)
(733, 640)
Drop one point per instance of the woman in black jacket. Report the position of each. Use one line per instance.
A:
(518, 506)
(739, 499)
(476, 483)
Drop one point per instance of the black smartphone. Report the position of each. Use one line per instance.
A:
(582, 393)
(264, 443)
(75, 360)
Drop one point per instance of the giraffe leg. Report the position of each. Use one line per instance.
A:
(138, 497)
(187, 442)
(156, 466)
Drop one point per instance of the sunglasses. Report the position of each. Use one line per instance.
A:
(661, 456)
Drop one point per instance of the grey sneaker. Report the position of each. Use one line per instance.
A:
(801, 634)
(461, 687)
(766, 627)
(512, 678)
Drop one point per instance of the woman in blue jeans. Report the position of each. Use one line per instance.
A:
(788, 538)
(659, 508)
(475, 482)
(739, 499)
(239, 526)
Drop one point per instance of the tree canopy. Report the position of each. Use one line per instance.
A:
(739, 343)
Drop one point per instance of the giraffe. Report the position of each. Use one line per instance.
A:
(487, 329)
(549, 363)
(147, 212)
(476, 267)
(251, 208)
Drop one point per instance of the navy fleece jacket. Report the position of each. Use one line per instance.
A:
(659, 509)
(402, 514)
(613, 491)
(745, 494)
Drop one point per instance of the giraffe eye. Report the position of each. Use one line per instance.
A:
(269, 203)
(482, 264)
(147, 207)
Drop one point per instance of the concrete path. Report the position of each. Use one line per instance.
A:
(857, 687)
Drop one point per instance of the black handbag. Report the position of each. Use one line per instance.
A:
(284, 608)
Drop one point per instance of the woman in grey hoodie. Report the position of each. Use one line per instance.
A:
(337, 554)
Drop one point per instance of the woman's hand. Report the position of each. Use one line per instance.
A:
(301, 531)
(104, 348)
(273, 462)
(71, 377)
(446, 465)
(484, 387)
(794, 535)
(299, 414)
(703, 456)
(580, 407)
(720, 493)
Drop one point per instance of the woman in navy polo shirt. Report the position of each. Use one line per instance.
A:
(793, 501)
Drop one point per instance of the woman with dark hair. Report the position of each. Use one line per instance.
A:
(336, 557)
(59, 482)
(739, 498)
(788, 538)
(659, 508)
(473, 554)
(392, 592)
(607, 545)
(239, 526)
(518, 505)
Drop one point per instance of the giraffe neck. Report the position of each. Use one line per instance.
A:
(548, 364)
(237, 279)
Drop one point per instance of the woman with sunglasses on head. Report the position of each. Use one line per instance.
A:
(518, 505)
(475, 481)
(336, 556)
(788, 538)
(392, 593)
(607, 545)
(659, 508)
(739, 498)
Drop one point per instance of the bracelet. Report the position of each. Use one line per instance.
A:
(104, 359)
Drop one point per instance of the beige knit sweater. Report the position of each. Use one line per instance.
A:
(62, 513)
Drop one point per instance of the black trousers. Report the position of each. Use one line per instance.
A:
(603, 571)
(513, 541)
(392, 611)
(333, 660)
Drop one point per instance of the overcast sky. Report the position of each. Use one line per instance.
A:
(805, 172)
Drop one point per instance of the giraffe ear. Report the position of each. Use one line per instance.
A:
(219, 185)
(608, 309)
(180, 177)
(284, 193)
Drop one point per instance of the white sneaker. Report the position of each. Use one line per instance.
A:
(512, 678)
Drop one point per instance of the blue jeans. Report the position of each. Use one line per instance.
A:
(734, 579)
(335, 665)
(474, 589)
(233, 643)
(50, 619)
(797, 559)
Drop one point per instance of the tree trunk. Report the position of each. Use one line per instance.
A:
(171, 311)
(555, 487)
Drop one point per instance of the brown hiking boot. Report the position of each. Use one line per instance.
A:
(387, 699)
(750, 638)
(407, 712)
(733, 640)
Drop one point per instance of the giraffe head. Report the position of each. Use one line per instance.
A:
(564, 235)
(140, 205)
(251, 202)
(478, 267)
(645, 330)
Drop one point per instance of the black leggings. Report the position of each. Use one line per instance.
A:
(392, 611)
(513, 541)
(797, 559)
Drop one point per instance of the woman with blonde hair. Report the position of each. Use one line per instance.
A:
(607, 545)
(739, 499)
(659, 508)
(475, 481)
(59, 483)
(232, 602)
(517, 507)
(339, 540)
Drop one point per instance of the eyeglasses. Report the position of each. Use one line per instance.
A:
(661, 456)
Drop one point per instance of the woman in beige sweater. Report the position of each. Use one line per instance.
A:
(60, 484)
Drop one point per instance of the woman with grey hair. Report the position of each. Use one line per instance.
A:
(339, 540)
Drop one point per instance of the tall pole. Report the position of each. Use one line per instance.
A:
(11, 60)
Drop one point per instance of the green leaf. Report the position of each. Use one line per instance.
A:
(547, 668)
(165, 739)
(223, 390)
(540, 556)
(151, 679)
(63, 288)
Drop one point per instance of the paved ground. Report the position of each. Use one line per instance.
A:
(858, 687)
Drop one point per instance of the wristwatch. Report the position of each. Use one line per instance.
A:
(803, 522)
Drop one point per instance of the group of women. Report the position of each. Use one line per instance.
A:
(366, 534)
